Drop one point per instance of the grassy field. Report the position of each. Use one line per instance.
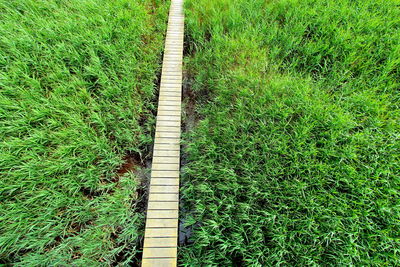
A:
(76, 97)
(295, 159)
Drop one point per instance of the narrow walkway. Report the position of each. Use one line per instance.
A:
(161, 234)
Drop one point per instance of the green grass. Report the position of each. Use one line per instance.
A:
(76, 82)
(295, 160)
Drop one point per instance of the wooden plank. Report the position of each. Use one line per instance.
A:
(157, 160)
(165, 174)
(164, 206)
(165, 189)
(159, 253)
(161, 233)
(170, 108)
(163, 214)
(161, 223)
(159, 262)
(167, 141)
(166, 166)
(164, 197)
(168, 87)
(168, 120)
(163, 153)
(168, 134)
(160, 242)
(170, 98)
(163, 181)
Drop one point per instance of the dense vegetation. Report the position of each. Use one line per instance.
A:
(295, 159)
(76, 83)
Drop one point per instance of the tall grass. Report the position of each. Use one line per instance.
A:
(296, 159)
(76, 80)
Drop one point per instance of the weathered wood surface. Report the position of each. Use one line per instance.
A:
(161, 234)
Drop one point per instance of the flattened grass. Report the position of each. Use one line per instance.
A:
(296, 161)
(76, 80)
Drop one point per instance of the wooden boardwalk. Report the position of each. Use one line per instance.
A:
(161, 234)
